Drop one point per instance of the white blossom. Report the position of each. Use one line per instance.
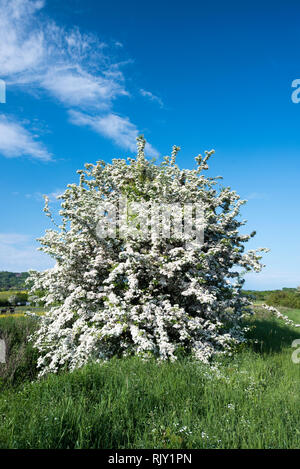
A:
(148, 296)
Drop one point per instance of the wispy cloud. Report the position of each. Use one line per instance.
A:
(257, 196)
(66, 63)
(21, 48)
(115, 127)
(269, 279)
(75, 87)
(151, 96)
(52, 196)
(16, 140)
(18, 252)
(13, 238)
(75, 68)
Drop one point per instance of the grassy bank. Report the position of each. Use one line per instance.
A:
(250, 400)
(20, 356)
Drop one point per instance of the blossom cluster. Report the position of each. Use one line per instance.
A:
(274, 311)
(116, 296)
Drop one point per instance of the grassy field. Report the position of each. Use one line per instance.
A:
(5, 295)
(250, 400)
(21, 310)
(293, 314)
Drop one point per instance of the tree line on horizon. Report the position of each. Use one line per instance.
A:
(288, 297)
(13, 280)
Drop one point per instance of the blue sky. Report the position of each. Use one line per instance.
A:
(83, 78)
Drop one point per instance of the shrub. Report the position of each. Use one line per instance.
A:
(13, 280)
(287, 298)
(134, 294)
(21, 357)
(8, 298)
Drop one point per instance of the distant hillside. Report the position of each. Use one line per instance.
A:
(13, 280)
(288, 297)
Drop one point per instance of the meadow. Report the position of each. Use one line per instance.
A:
(5, 295)
(249, 400)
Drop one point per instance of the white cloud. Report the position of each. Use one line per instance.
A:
(18, 253)
(15, 141)
(65, 63)
(52, 196)
(19, 51)
(257, 196)
(152, 97)
(76, 69)
(119, 129)
(75, 87)
(13, 238)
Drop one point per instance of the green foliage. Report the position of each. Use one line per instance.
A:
(20, 297)
(257, 295)
(250, 401)
(36, 298)
(13, 280)
(288, 297)
(21, 358)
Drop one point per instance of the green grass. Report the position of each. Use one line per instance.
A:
(21, 310)
(251, 401)
(292, 313)
(21, 358)
(4, 296)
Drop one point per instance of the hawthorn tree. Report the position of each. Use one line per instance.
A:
(142, 295)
